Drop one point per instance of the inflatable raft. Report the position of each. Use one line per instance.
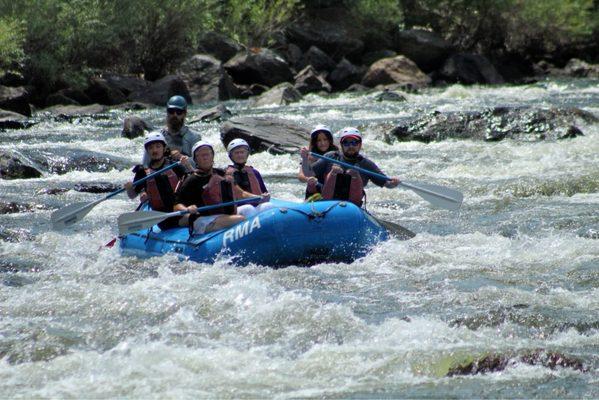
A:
(287, 234)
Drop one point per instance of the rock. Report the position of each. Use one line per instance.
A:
(258, 66)
(160, 91)
(12, 207)
(132, 106)
(127, 84)
(101, 91)
(96, 187)
(68, 160)
(15, 235)
(308, 80)
(317, 59)
(281, 94)
(12, 78)
(345, 75)
(202, 74)
(293, 54)
(15, 99)
(579, 68)
(216, 113)
(514, 68)
(134, 126)
(338, 39)
(425, 48)
(247, 91)
(395, 70)
(70, 112)
(13, 120)
(226, 87)
(219, 46)
(521, 123)
(358, 88)
(469, 69)
(373, 56)
(388, 95)
(52, 191)
(60, 98)
(15, 166)
(275, 135)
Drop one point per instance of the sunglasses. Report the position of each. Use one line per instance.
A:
(175, 111)
(348, 143)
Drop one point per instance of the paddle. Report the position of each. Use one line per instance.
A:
(395, 229)
(437, 195)
(75, 212)
(138, 220)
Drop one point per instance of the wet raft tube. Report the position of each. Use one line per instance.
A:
(289, 233)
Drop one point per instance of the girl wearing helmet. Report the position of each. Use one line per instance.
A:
(205, 186)
(247, 177)
(160, 190)
(321, 142)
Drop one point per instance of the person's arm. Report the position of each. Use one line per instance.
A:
(371, 166)
(133, 191)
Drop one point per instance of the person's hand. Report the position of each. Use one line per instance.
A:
(192, 209)
(230, 171)
(304, 152)
(335, 169)
(265, 197)
(228, 178)
(353, 173)
(311, 180)
(128, 185)
(185, 162)
(176, 155)
(143, 198)
(393, 182)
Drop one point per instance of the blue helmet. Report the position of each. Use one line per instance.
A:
(178, 102)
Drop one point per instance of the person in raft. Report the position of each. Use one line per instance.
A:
(206, 186)
(321, 142)
(246, 177)
(179, 138)
(340, 184)
(160, 190)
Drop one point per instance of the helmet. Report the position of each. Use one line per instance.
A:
(350, 132)
(198, 145)
(233, 144)
(319, 128)
(177, 102)
(154, 137)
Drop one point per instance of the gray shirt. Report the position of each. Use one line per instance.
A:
(182, 141)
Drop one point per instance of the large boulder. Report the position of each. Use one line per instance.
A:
(68, 97)
(202, 73)
(425, 48)
(581, 69)
(317, 59)
(219, 46)
(127, 84)
(308, 80)
(102, 92)
(160, 91)
(345, 74)
(134, 126)
(275, 135)
(15, 99)
(13, 120)
(72, 112)
(261, 65)
(216, 113)
(396, 70)
(280, 95)
(14, 165)
(469, 69)
(61, 161)
(520, 123)
(12, 78)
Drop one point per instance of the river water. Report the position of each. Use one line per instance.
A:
(514, 273)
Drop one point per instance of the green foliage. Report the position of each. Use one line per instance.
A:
(12, 37)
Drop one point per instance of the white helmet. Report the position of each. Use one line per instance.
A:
(350, 132)
(154, 137)
(235, 143)
(198, 145)
(319, 128)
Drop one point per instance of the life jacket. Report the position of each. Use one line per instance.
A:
(343, 186)
(246, 178)
(154, 195)
(218, 190)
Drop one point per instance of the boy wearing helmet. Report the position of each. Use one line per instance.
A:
(160, 190)
(179, 138)
(337, 183)
(206, 186)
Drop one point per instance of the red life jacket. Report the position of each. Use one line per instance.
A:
(343, 186)
(154, 195)
(252, 178)
(218, 190)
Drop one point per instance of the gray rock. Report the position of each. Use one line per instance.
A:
(96, 187)
(308, 80)
(101, 91)
(425, 48)
(12, 78)
(345, 75)
(358, 88)
(216, 113)
(15, 99)
(127, 84)
(520, 123)
(13, 120)
(160, 91)
(261, 65)
(318, 59)
(12, 207)
(398, 69)
(218, 45)
(14, 165)
(134, 126)
(276, 135)
(281, 94)
(470, 69)
(579, 68)
(62, 161)
(71, 112)
(373, 56)
(388, 95)
(202, 74)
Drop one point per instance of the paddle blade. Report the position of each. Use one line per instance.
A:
(439, 196)
(396, 230)
(138, 220)
(70, 214)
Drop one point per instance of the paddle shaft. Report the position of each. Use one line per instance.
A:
(142, 180)
(381, 176)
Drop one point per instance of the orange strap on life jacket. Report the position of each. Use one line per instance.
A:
(218, 190)
(343, 186)
(154, 196)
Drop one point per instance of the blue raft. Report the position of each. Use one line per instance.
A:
(287, 234)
